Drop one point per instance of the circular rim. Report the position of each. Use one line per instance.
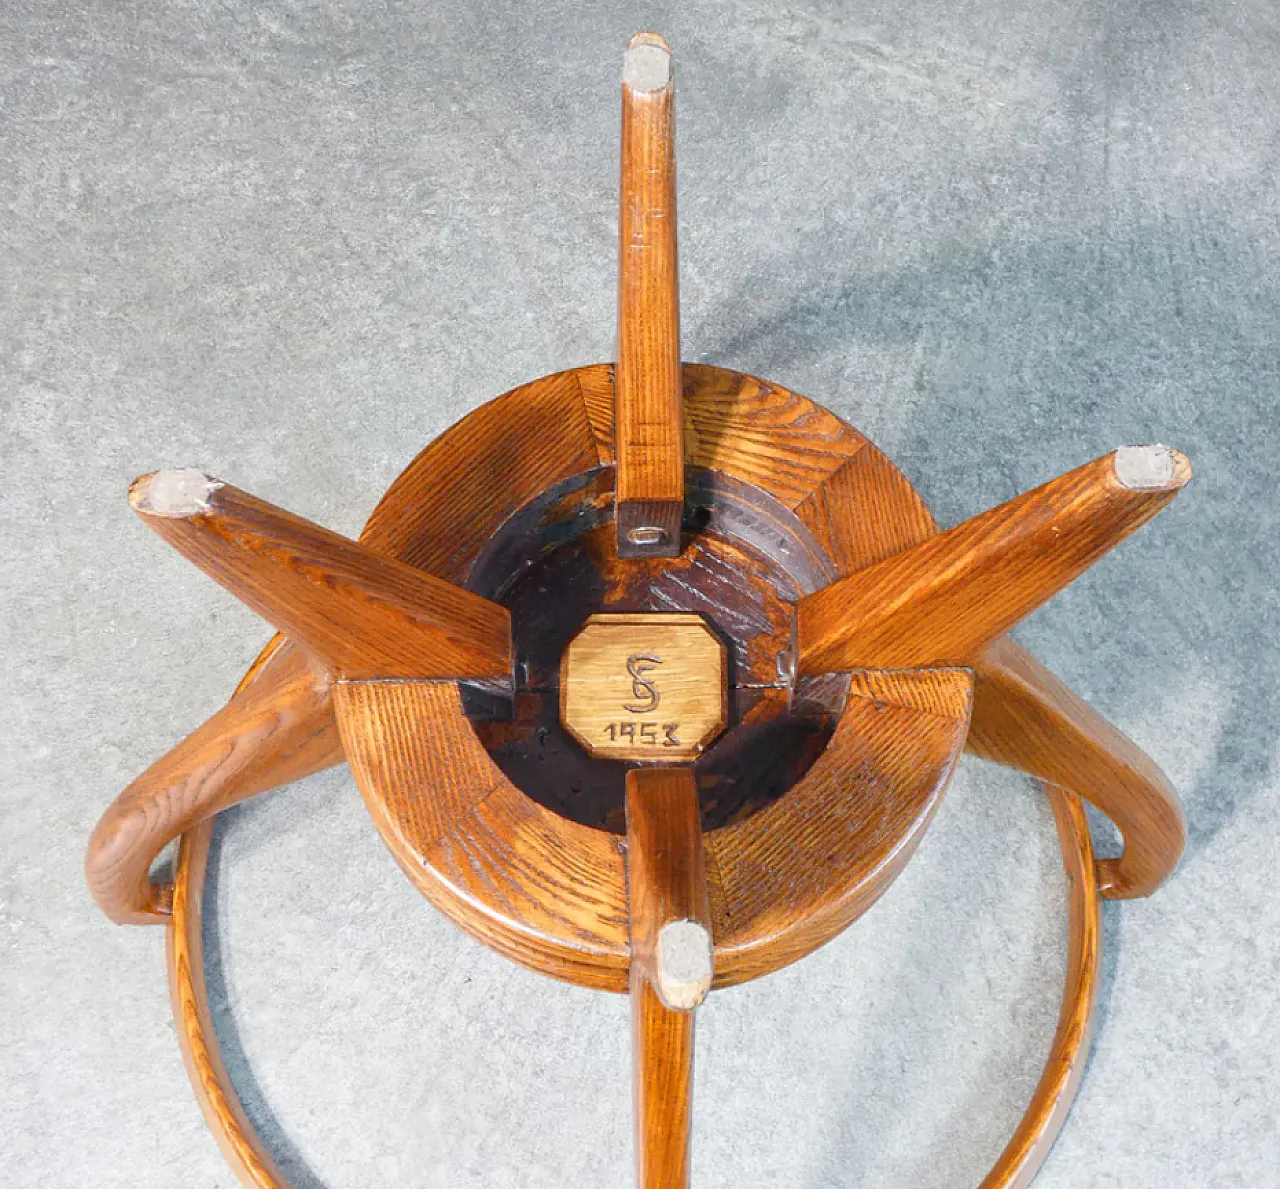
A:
(550, 893)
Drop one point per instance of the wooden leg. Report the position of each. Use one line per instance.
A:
(662, 1041)
(274, 731)
(939, 602)
(365, 616)
(648, 402)
(1023, 716)
(671, 964)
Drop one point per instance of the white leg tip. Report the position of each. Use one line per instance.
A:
(177, 493)
(1148, 468)
(684, 964)
(646, 66)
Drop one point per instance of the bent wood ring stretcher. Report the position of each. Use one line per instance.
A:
(652, 676)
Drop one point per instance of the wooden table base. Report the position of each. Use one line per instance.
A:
(652, 676)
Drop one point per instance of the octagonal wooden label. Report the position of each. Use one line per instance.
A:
(644, 687)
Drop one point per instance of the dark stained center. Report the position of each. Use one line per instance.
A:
(745, 560)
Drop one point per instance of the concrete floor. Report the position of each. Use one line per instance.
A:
(292, 242)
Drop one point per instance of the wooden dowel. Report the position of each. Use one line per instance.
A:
(365, 616)
(939, 602)
(671, 963)
(647, 395)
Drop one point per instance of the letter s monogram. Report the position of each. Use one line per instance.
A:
(644, 689)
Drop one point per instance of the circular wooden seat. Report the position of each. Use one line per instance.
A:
(550, 892)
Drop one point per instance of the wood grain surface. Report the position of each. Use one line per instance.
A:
(940, 601)
(748, 942)
(277, 730)
(542, 890)
(646, 687)
(362, 614)
(243, 1149)
(865, 511)
(668, 907)
(1025, 717)
(444, 507)
(648, 416)
(548, 893)
(789, 878)
(662, 1083)
(1056, 1090)
(756, 431)
(669, 911)
(661, 1088)
(391, 654)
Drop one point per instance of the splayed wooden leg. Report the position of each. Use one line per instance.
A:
(1023, 716)
(362, 614)
(939, 602)
(275, 730)
(648, 404)
(671, 964)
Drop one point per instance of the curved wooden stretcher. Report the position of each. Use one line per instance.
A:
(652, 677)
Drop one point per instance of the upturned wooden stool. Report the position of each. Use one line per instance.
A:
(651, 676)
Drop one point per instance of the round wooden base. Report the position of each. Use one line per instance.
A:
(493, 817)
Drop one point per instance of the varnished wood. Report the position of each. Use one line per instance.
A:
(1056, 1089)
(276, 731)
(409, 521)
(446, 505)
(667, 1036)
(364, 615)
(587, 941)
(647, 687)
(650, 435)
(749, 957)
(759, 432)
(671, 964)
(542, 890)
(437, 517)
(242, 1147)
(939, 602)
(661, 1088)
(550, 894)
(668, 907)
(1023, 716)
(794, 875)
(864, 511)
(397, 646)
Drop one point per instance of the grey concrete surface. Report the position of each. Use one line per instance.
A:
(292, 242)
